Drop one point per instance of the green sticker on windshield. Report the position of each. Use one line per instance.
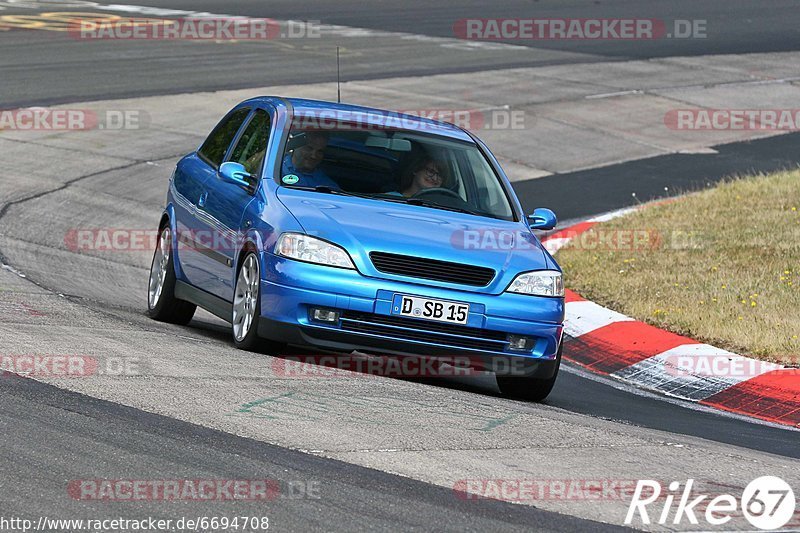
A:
(290, 179)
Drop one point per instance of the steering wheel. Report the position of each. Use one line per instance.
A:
(437, 190)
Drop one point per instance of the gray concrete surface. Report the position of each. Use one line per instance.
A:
(572, 118)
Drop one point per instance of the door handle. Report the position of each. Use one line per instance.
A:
(202, 201)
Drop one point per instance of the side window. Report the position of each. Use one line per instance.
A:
(252, 145)
(213, 150)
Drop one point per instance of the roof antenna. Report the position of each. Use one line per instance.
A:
(338, 88)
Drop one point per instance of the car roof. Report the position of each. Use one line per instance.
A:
(303, 107)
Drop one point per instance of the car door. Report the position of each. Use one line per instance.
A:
(225, 203)
(188, 190)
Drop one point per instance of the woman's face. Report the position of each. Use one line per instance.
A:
(428, 177)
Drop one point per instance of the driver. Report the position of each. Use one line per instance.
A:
(304, 161)
(423, 173)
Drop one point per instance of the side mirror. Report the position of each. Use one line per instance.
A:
(235, 173)
(542, 218)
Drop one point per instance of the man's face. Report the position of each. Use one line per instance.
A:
(308, 157)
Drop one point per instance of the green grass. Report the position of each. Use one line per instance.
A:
(721, 266)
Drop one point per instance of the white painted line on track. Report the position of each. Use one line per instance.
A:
(624, 386)
(584, 316)
(664, 373)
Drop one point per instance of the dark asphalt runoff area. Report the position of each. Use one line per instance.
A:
(643, 180)
(51, 436)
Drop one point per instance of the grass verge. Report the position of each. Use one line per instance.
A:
(721, 266)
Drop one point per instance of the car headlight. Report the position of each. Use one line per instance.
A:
(312, 250)
(541, 283)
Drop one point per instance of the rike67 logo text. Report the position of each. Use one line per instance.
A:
(767, 502)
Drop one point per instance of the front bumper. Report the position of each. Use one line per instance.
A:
(291, 288)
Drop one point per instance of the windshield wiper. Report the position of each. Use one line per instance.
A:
(390, 198)
(326, 189)
(434, 205)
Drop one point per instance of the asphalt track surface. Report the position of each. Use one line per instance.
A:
(40, 68)
(734, 26)
(346, 498)
(32, 60)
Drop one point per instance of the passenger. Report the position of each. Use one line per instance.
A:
(304, 162)
(424, 172)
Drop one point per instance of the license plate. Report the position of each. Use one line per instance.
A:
(440, 310)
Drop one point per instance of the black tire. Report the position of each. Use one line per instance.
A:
(529, 388)
(251, 341)
(167, 308)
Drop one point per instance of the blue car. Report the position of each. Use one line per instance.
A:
(345, 228)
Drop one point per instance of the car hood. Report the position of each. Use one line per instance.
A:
(363, 225)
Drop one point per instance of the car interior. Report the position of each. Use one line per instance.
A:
(373, 161)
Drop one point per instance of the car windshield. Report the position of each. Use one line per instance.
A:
(402, 165)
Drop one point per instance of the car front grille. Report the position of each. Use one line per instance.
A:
(433, 269)
(424, 331)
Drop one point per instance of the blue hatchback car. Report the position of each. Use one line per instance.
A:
(349, 228)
